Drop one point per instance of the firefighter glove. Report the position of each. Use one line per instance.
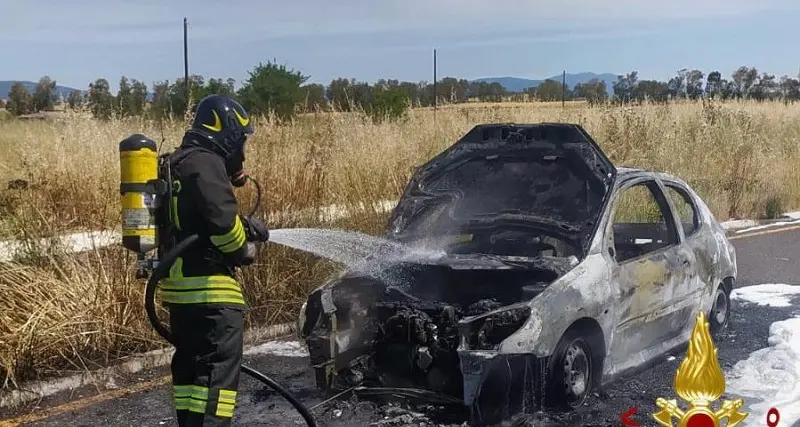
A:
(255, 229)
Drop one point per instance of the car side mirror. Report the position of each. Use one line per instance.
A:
(611, 252)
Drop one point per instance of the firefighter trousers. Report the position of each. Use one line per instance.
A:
(205, 366)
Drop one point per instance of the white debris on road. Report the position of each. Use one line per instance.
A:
(279, 348)
(770, 377)
(768, 294)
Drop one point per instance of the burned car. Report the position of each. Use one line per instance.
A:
(560, 273)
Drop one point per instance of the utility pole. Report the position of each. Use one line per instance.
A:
(435, 92)
(186, 62)
(563, 88)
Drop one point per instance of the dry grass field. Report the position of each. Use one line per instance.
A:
(61, 312)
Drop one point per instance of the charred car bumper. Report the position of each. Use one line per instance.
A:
(497, 385)
(493, 385)
(424, 353)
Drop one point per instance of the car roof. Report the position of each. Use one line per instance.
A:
(626, 173)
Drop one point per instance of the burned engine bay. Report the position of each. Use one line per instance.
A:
(401, 330)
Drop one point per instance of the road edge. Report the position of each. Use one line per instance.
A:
(740, 227)
(135, 363)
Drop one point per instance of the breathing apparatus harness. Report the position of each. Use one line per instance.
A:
(148, 195)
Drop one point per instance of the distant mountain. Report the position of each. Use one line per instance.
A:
(516, 84)
(512, 84)
(5, 87)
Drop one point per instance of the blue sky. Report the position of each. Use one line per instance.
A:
(78, 41)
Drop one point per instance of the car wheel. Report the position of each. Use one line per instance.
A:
(720, 313)
(571, 372)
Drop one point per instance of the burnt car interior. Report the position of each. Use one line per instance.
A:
(639, 225)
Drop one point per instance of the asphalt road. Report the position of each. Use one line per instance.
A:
(763, 258)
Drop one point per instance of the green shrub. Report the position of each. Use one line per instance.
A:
(773, 208)
(391, 104)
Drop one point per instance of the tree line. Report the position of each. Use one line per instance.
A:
(283, 93)
(745, 83)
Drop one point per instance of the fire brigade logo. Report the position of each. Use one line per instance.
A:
(699, 381)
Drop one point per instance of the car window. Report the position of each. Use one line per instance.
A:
(684, 208)
(639, 226)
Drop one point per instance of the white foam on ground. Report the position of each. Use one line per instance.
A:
(770, 377)
(768, 294)
(279, 348)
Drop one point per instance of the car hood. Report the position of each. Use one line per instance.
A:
(550, 175)
(468, 261)
(500, 262)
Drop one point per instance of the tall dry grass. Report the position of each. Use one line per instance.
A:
(62, 312)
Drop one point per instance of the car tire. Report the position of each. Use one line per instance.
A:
(571, 372)
(720, 313)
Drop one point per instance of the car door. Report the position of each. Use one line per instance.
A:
(647, 265)
(688, 295)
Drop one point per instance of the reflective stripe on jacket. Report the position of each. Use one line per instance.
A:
(215, 289)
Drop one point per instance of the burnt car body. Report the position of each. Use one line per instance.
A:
(560, 273)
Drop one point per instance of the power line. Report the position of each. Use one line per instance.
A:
(186, 62)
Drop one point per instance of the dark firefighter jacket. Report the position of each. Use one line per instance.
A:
(203, 202)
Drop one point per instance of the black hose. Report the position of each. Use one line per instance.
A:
(161, 271)
(258, 195)
(302, 409)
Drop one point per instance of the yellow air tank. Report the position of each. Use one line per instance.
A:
(138, 161)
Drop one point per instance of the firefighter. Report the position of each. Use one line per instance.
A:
(205, 302)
